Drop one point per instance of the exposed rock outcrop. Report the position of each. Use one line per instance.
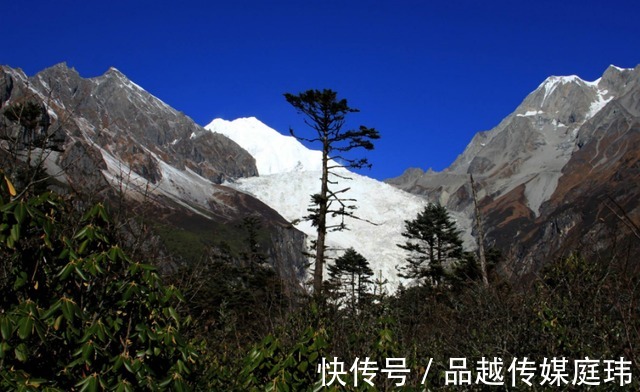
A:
(551, 173)
(116, 138)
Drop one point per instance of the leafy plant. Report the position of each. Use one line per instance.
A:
(77, 312)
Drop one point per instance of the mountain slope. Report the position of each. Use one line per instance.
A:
(273, 152)
(115, 139)
(561, 149)
(289, 187)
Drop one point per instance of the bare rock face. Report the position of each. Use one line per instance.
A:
(546, 171)
(136, 127)
(115, 137)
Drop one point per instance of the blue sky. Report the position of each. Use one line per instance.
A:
(427, 74)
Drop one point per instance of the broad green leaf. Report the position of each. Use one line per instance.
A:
(20, 212)
(124, 386)
(25, 327)
(80, 273)
(173, 314)
(303, 366)
(4, 347)
(68, 308)
(83, 246)
(56, 324)
(5, 328)
(103, 212)
(83, 232)
(66, 270)
(21, 280)
(14, 235)
(115, 253)
(87, 351)
(89, 384)
(21, 352)
(52, 309)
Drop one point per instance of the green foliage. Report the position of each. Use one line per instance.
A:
(77, 312)
(270, 368)
(467, 270)
(350, 277)
(433, 245)
(325, 114)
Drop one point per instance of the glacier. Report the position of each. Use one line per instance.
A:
(273, 152)
(290, 174)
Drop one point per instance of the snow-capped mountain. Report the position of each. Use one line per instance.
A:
(273, 152)
(562, 172)
(289, 186)
(545, 169)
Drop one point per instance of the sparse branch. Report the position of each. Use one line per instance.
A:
(622, 215)
(340, 175)
(479, 228)
(326, 115)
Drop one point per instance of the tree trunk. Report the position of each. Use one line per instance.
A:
(322, 225)
(481, 254)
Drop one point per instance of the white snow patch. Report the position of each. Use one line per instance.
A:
(51, 113)
(552, 82)
(274, 153)
(530, 113)
(594, 83)
(183, 187)
(386, 206)
(598, 104)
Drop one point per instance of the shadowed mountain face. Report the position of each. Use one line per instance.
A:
(113, 137)
(559, 174)
(128, 123)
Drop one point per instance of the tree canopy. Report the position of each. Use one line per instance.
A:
(433, 244)
(326, 114)
(351, 276)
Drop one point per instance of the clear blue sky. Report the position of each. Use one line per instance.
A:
(427, 74)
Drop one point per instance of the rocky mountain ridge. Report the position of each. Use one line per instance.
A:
(558, 174)
(544, 171)
(115, 137)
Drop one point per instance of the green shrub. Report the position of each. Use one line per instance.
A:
(77, 312)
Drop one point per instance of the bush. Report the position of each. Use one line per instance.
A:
(77, 312)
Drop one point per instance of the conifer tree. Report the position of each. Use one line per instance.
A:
(325, 114)
(433, 244)
(351, 274)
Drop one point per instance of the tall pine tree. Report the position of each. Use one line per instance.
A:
(325, 114)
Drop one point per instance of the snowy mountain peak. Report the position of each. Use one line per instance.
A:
(578, 98)
(551, 83)
(274, 153)
(289, 175)
(555, 80)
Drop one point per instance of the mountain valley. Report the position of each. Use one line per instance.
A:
(559, 173)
